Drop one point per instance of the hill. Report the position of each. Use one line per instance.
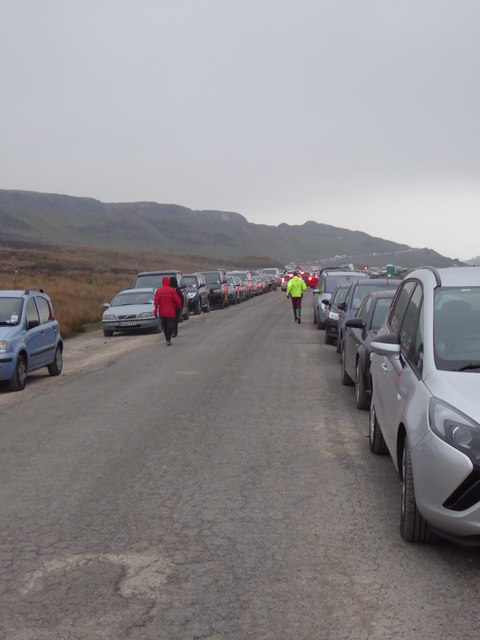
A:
(54, 219)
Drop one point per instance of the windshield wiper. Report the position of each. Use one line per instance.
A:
(9, 323)
(469, 366)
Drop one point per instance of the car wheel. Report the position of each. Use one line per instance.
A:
(55, 368)
(375, 436)
(198, 308)
(339, 344)
(344, 377)
(108, 333)
(206, 309)
(413, 527)
(361, 395)
(320, 324)
(328, 338)
(19, 379)
(314, 316)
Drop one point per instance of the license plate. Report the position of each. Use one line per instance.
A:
(127, 324)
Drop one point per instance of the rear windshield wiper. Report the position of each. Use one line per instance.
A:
(469, 366)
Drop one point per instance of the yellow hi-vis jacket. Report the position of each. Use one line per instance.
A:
(296, 286)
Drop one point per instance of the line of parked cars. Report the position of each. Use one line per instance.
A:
(412, 352)
(30, 334)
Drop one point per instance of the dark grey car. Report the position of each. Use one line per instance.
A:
(196, 292)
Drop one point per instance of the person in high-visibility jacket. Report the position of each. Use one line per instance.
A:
(295, 288)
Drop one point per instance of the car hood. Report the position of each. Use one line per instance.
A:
(5, 331)
(461, 389)
(129, 309)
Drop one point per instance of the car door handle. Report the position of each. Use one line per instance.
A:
(384, 367)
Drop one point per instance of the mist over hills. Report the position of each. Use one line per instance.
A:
(54, 219)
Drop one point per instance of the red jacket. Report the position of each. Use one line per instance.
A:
(166, 300)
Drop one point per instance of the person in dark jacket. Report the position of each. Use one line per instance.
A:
(166, 302)
(173, 284)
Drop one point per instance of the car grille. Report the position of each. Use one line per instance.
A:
(130, 316)
(467, 494)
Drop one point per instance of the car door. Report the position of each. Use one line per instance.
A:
(49, 327)
(354, 337)
(394, 388)
(36, 340)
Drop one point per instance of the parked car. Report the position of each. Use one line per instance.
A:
(425, 375)
(196, 292)
(257, 286)
(360, 331)
(153, 279)
(246, 278)
(130, 310)
(234, 292)
(332, 315)
(327, 283)
(355, 296)
(217, 288)
(29, 336)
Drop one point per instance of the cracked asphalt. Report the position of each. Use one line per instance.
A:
(220, 488)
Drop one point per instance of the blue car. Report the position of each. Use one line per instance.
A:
(29, 336)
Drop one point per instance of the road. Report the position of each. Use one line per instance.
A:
(221, 488)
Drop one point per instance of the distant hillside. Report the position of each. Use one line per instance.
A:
(172, 229)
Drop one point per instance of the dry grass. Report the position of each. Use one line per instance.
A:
(79, 280)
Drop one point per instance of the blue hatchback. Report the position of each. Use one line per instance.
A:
(29, 336)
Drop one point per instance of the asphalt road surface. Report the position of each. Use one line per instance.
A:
(219, 488)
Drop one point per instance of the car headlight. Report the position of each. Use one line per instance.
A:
(109, 316)
(191, 294)
(145, 314)
(332, 315)
(455, 428)
(3, 346)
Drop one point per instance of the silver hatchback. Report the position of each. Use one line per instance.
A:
(425, 408)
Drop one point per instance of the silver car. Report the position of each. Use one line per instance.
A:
(130, 310)
(425, 408)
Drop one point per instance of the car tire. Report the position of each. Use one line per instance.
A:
(198, 308)
(328, 338)
(413, 527)
(344, 377)
(206, 308)
(320, 324)
(375, 436)
(361, 396)
(108, 333)
(55, 368)
(339, 344)
(19, 379)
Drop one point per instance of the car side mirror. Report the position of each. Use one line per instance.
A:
(355, 323)
(341, 306)
(389, 347)
(105, 305)
(326, 302)
(315, 291)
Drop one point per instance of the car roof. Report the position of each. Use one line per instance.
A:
(382, 282)
(154, 273)
(139, 290)
(382, 293)
(18, 293)
(450, 276)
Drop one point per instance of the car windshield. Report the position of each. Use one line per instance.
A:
(456, 328)
(10, 310)
(190, 281)
(152, 280)
(132, 298)
(361, 292)
(380, 312)
(332, 282)
(230, 280)
(340, 295)
(212, 277)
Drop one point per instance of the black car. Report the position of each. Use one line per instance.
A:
(196, 292)
(234, 289)
(357, 293)
(332, 313)
(153, 279)
(360, 331)
(217, 288)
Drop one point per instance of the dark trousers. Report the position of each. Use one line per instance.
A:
(175, 322)
(297, 307)
(167, 327)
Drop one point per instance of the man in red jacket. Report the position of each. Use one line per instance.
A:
(166, 300)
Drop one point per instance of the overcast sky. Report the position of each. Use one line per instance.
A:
(362, 114)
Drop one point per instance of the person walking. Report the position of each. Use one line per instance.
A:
(166, 302)
(295, 288)
(174, 285)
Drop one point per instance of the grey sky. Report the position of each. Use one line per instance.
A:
(357, 113)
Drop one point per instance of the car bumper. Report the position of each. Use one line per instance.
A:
(439, 471)
(7, 366)
(216, 298)
(130, 325)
